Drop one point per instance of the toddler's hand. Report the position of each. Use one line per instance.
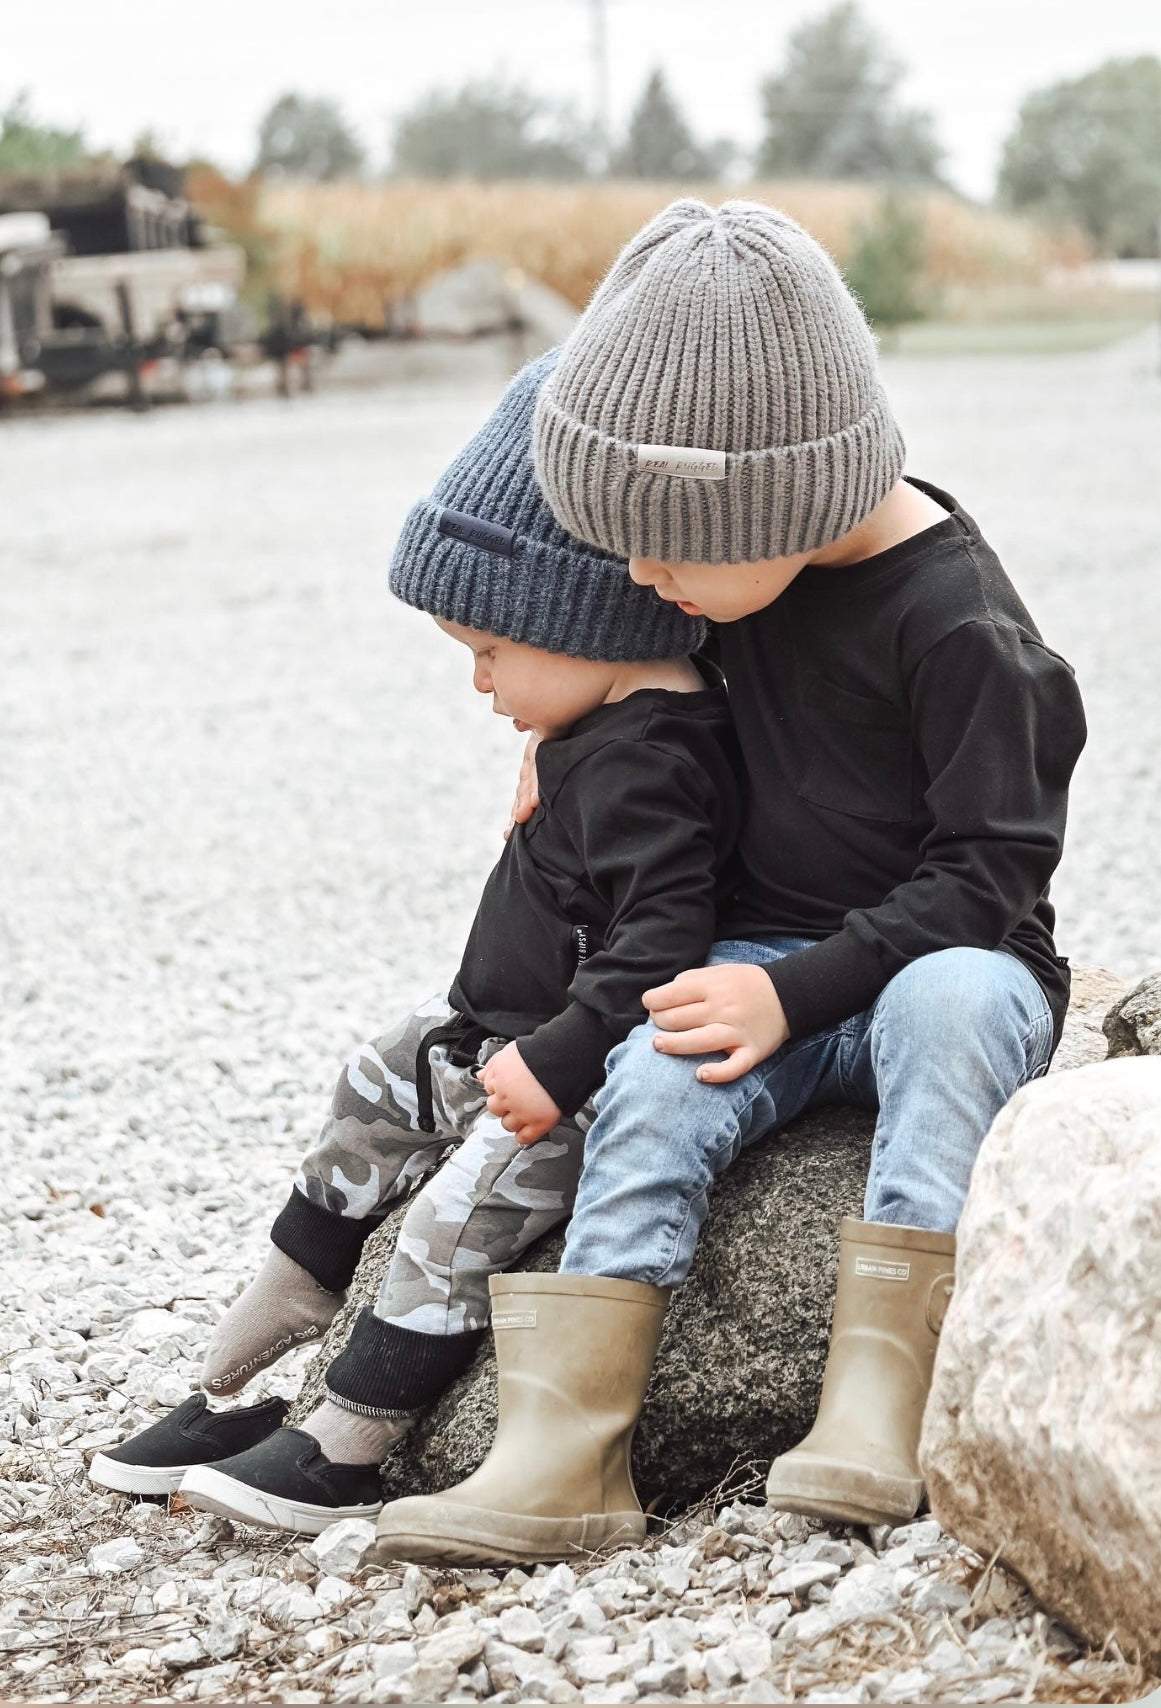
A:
(517, 1096)
(734, 1008)
(527, 789)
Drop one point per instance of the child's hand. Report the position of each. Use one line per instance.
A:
(734, 1008)
(517, 1096)
(527, 789)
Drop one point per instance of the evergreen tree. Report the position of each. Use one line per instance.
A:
(885, 269)
(307, 137)
(833, 112)
(659, 142)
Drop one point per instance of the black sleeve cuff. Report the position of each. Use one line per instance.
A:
(827, 983)
(567, 1055)
(321, 1241)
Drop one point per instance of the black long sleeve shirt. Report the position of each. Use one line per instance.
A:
(610, 888)
(908, 741)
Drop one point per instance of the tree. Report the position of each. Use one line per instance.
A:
(659, 142)
(833, 112)
(307, 137)
(28, 146)
(1089, 151)
(885, 269)
(488, 130)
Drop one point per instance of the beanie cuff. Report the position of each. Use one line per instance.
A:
(559, 600)
(768, 503)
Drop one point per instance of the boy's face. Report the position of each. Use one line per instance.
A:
(723, 592)
(540, 691)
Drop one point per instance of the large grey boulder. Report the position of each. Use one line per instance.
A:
(1042, 1437)
(1133, 1025)
(740, 1367)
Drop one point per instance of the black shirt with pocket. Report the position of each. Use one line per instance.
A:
(612, 886)
(908, 741)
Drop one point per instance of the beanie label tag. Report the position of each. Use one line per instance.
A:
(474, 531)
(686, 460)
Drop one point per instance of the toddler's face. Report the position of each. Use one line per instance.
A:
(540, 691)
(723, 592)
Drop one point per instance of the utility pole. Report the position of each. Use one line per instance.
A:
(599, 54)
(601, 79)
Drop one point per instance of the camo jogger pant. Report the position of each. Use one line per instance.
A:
(485, 1204)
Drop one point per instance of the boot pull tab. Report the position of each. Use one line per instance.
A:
(938, 1299)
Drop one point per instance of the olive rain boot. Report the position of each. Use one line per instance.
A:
(860, 1462)
(574, 1353)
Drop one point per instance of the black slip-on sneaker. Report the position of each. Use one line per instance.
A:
(154, 1461)
(285, 1483)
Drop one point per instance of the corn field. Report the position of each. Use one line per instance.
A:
(355, 251)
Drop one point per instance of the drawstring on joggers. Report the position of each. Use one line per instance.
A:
(464, 1039)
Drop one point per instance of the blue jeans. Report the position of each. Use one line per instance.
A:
(944, 1047)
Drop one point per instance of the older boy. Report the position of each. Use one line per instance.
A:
(908, 738)
(611, 887)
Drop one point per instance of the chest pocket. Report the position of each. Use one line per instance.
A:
(860, 759)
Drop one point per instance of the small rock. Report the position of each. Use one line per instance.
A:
(919, 1535)
(556, 1585)
(761, 1690)
(389, 1660)
(827, 1548)
(663, 1678)
(332, 1592)
(672, 1581)
(773, 1616)
(135, 1660)
(287, 1604)
(457, 1646)
(721, 1668)
(176, 1657)
(798, 1578)
(224, 1636)
(912, 1685)
(753, 1651)
(521, 1627)
(108, 1559)
(792, 1527)
(146, 1330)
(340, 1548)
(936, 1596)
(417, 1589)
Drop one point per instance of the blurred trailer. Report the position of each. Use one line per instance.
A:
(28, 251)
(135, 281)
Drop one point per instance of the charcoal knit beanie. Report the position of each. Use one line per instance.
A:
(719, 400)
(485, 551)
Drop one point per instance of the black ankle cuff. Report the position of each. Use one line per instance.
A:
(395, 1369)
(324, 1243)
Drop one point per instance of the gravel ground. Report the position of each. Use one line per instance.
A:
(237, 834)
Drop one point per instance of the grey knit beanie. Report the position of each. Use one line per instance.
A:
(485, 551)
(719, 400)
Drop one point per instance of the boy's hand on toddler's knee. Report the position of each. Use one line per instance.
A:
(734, 1008)
(527, 789)
(517, 1096)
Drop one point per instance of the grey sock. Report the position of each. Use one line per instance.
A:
(283, 1306)
(349, 1438)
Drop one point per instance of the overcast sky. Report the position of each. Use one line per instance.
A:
(200, 75)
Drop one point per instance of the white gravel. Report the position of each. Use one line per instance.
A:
(245, 807)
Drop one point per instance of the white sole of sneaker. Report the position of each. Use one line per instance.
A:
(136, 1479)
(212, 1491)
